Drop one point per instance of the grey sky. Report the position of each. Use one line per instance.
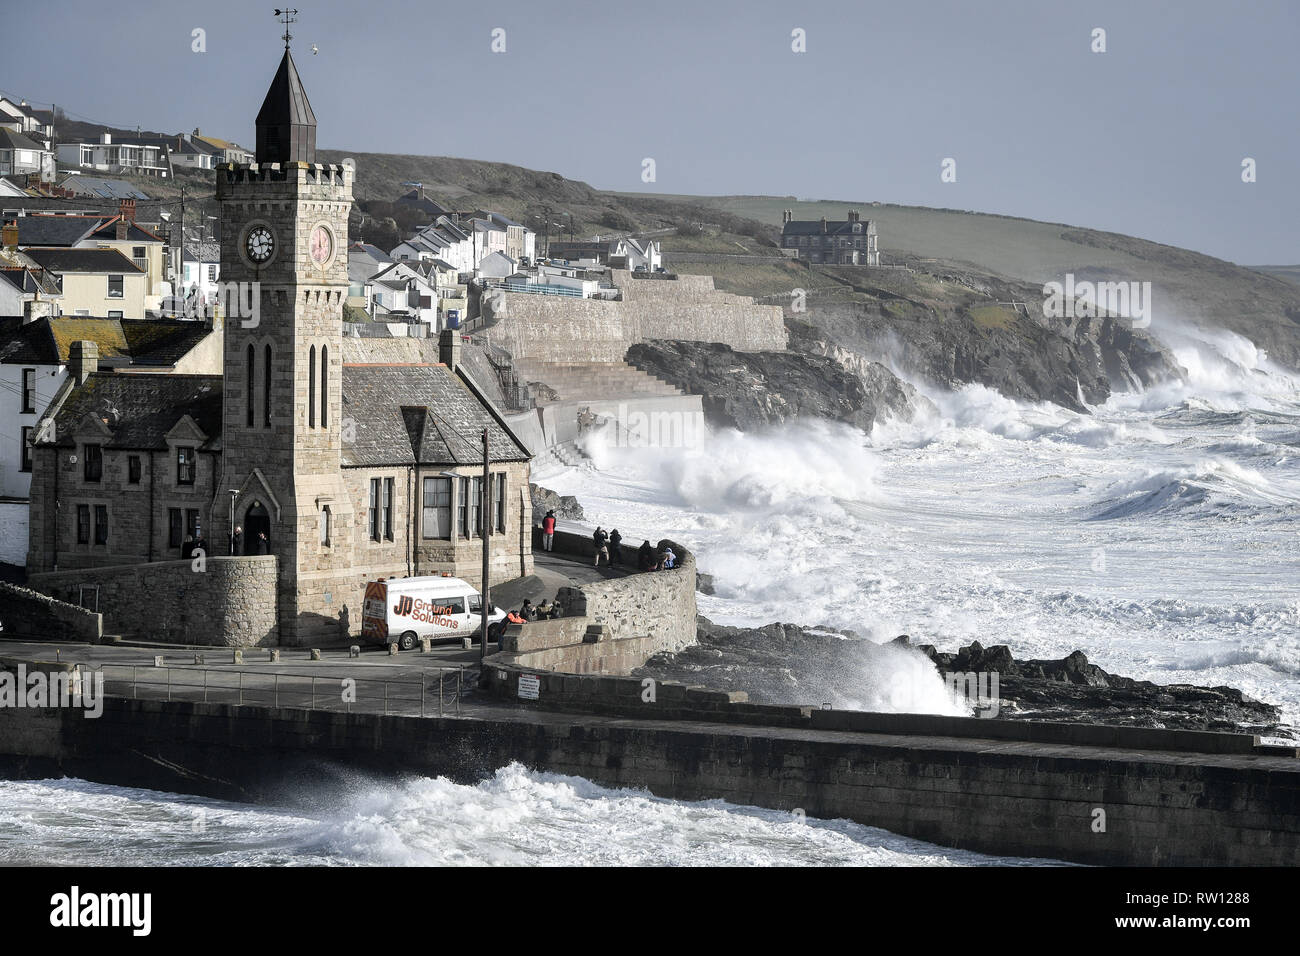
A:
(1145, 139)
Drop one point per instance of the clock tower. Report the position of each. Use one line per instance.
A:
(284, 222)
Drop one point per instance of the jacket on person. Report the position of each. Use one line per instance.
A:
(548, 524)
(513, 618)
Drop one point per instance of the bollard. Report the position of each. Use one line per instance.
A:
(275, 655)
(198, 658)
(238, 657)
(467, 642)
(354, 651)
(426, 645)
(315, 653)
(158, 661)
(392, 650)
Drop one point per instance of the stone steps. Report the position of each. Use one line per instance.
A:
(574, 381)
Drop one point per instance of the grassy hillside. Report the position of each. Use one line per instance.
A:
(1263, 304)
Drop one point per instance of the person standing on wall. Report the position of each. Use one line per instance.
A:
(615, 552)
(601, 540)
(548, 531)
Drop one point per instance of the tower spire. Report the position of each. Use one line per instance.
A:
(286, 125)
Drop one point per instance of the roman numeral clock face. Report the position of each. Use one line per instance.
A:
(259, 244)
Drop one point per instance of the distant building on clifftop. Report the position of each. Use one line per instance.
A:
(847, 242)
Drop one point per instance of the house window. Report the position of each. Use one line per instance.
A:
(212, 274)
(499, 502)
(101, 524)
(437, 508)
(133, 469)
(29, 391)
(137, 252)
(93, 465)
(475, 506)
(324, 386)
(374, 509)
(388, 508)
(266, 386)
(175, 527)
(27, 447)
(115, 287)
(325, 525)
(192, 524)
(83, 524)
(462, 508)
(252, 372)
(311, 388)
(185, 459)
(115, 314)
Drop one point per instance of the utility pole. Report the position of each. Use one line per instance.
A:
(487, 530)
(180, 270)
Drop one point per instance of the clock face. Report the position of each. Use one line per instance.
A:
(259, 244)
(322, 245)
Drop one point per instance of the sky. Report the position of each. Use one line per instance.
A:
(1147, 138)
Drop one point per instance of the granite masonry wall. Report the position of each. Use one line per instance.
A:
(611, 626)
(30, 615)
(231, 603)
(977, 793)
(562, 329)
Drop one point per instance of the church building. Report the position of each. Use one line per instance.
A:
(344, 469)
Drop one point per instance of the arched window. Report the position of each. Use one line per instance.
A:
(324, 386)
(311, 388)
(266, 387)
(249, 386)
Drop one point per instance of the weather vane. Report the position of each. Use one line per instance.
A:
(287, 17)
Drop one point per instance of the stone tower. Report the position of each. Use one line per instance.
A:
(284, 239)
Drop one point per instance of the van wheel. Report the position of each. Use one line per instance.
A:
(408, 640)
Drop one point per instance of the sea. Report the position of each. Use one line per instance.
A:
(1159, 533)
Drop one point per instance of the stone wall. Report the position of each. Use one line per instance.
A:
(1009, 798)
(29, 615)
(562, 329)
(232, 602)
(611, 626)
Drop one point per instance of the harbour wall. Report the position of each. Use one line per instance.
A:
(1114, 805)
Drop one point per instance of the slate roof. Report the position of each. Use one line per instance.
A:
(84, 260)
(134, 232)
(141, 409)
(30, 281)
(203, 252)
(420, 413)
(286, 125)
(813, 227)
(139, 342)
(102, 188)
(55, 230)
(11, 140)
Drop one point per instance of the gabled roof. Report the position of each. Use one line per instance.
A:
(134, 232)
(813, 227)
(102, 188)
(140, 410)
(426, 414)
(11, 140)
(30, 281)
(121, 342)
(92, 261)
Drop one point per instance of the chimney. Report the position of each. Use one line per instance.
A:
(823, 225)
(126, 209)
(449, 348)
(10, 235)
(83, 360)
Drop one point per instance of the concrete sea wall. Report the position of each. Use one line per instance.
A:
(1104, 805)
(230, 603)
(30, 615)
(562, 329)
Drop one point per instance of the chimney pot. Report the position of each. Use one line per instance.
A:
(10, 234)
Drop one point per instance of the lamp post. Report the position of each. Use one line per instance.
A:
(234, 493)
(486, 518)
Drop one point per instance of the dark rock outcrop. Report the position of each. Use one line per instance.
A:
(748, 390)
(789, 664)
(564, 506)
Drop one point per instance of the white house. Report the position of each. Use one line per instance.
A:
(21, 118)
(22, 156)
(497, 265)
(407, 287)
(110, 157)
(201, 271)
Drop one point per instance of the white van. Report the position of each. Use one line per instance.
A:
(404, 610)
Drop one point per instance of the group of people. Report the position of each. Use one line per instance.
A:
(261, 546)
(609, 545)
(547, 610)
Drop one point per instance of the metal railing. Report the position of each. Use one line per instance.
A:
(339, 692)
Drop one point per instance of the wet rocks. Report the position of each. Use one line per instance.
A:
(566, 507)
